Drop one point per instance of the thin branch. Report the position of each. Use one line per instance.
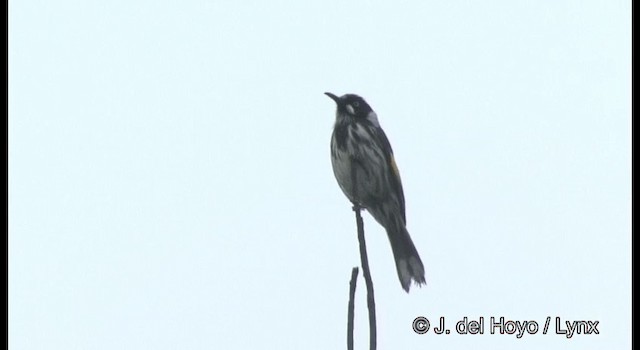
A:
(371, 304)
(350, 313)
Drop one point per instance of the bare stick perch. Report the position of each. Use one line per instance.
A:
(350, 312)
(364, 260)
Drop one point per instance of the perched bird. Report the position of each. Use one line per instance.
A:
(366, 171)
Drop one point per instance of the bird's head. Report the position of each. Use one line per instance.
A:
(354, 106)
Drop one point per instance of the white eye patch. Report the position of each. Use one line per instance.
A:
(350, 109)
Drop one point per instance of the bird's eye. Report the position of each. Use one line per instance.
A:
(356, 104)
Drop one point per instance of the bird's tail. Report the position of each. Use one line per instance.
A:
(408, 261)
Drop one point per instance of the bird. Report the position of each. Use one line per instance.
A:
(366, 171)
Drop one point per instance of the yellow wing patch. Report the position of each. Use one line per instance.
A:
(394, 167)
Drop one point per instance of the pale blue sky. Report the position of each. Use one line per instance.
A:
(170, 184)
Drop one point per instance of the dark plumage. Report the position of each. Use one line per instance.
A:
(365, 169)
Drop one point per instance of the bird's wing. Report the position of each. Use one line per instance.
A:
(394, 176)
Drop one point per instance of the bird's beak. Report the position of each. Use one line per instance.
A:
(333, 97)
